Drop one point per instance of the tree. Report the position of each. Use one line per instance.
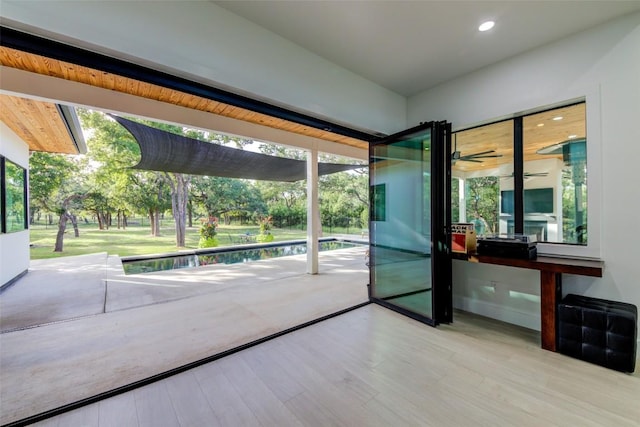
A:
(111, 153)
(65, 214)
(227, 197)
(47, 173)
(114, 151)
(179, 184)
(286, 201)
(344, 196)
(149, 193)
(54, 189)
(482, 202)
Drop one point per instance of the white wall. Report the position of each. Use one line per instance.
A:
(14, 247)
(204, 42)
(603, 65)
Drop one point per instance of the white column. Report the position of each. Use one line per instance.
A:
(462, 200)
(313, 212)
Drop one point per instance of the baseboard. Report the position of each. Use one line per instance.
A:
(498, 312)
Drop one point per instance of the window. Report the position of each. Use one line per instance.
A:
(527, 175)
(13, 196)
(555, 156)
(482, 157)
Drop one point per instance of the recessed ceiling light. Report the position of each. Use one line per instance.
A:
(540, 125)
(486, 26)
(572, 136)
(557, 118)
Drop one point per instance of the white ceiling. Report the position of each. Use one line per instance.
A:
(410, 46)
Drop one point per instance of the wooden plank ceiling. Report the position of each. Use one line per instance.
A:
(37, 123)
(540, 130)
(68, 71)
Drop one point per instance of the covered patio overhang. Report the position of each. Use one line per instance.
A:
(42, 78)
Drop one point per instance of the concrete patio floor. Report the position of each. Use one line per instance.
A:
(76, 327)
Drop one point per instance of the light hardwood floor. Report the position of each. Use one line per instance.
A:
(374, 367)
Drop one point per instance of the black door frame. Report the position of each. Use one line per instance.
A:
(441, 263)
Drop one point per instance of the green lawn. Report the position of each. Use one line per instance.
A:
(135, 240)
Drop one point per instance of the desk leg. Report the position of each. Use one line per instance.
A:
(550, 294)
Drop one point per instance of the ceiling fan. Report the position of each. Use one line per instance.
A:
(457, 155)
(527, 175)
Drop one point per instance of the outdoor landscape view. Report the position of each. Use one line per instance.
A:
(97, 202)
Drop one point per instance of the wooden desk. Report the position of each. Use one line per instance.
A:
(551, 269)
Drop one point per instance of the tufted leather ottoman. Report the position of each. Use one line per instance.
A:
(598, 331)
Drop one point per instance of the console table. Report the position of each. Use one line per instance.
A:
(551, 269)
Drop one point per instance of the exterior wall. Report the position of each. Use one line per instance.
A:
(204, 42)
(14, 247)
(603, 66)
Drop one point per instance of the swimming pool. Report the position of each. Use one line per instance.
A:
(230, 255)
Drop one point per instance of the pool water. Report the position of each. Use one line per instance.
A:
(232, 256)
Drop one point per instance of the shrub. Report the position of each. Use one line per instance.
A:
(265, 224)
(208, 231)
(208, 242)
(264, 238)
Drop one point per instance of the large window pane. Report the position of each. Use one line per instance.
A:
(482, 163)
(555, 175)
(401, 223)
(554, 181)
(14, 197)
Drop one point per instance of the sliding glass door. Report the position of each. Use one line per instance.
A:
(410, 213)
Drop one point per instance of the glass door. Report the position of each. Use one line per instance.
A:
(410, 263)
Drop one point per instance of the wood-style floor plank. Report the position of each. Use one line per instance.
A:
(223, 398)
(188, 400)
(118, 411)
(373, 367)
(267, 408)
(154, 407)
(279, 379)
(86, 416)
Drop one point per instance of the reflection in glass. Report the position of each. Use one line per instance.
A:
(15, 197)
(555, 175)
(482, 166)
(401, 240)
(379, 202)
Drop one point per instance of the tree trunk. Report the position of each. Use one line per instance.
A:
(62, 225)
(157, 220)
(190, 214)
(74, 222)
(179, 197)
(152, 222)
(99, 218)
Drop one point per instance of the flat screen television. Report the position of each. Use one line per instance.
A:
(536, 200)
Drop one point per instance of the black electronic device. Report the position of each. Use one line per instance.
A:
(522, 247)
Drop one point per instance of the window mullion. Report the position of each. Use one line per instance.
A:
(518, 176)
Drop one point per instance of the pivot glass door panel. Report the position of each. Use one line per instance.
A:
(407, 228)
